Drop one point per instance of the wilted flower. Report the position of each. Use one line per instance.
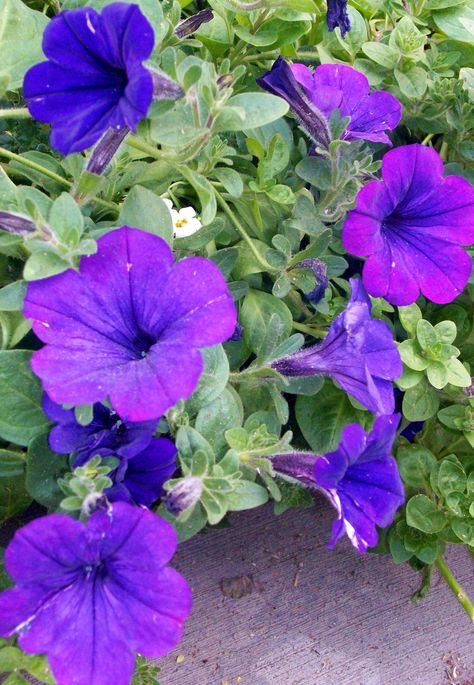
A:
(319, 270)
(192, 23)
(184, 495)
(129, 325)
(94, 78)
(91, 595)
(281, 81)
(411, 226)
(337, 16)
(358, 352)
(360, 478)
(185, 222)
(338, 86)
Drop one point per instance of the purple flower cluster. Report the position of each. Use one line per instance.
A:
(129, 325)
(358, 352)
(145, 463)
(91, 595)
(360, 479)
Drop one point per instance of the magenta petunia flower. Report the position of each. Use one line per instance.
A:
(358, 352)
(91, 595)
(411, 226)
(360, 479)
(94, 78)
(338, 86)
(129, 325)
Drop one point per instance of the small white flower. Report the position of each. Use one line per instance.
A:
(185, 222)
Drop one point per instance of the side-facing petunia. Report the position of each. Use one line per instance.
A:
(91, 595)
(360, 479)
(359, 353)
(129, 325)
(411, 226)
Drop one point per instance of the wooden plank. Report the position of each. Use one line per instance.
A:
(315, 617)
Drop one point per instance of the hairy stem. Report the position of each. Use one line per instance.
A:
(456, 588)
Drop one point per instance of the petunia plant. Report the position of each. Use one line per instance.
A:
(236, 244)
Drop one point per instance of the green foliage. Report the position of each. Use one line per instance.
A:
(17, 665)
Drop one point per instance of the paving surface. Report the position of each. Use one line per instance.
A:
(314, 617)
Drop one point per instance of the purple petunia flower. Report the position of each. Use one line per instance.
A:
(358, 352)
(337, 16)
(360, 478)
(338, 86)
(146, 463)
(93, 79)
(411, 226)
(90, 595)
(129, 325)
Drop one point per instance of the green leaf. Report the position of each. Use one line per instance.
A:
(21, 414)
(464, 529)
(451, 477)
(43, 264)
(426, 334)
(409, 317)
(231, 180)
(457, 373)
(381, 54)
(212, 381)
(219, 416)
(437, 374)
(265, 320)
(246, 495)
(410, 353)
(420, 402)
(11, 463)
(11, 297)
(66, 220)
(205, 193)
(13, 496)
(43, 468)
(143, 209)
(457, 23)
(446, 331)
(415, 464)
(258, 109)
(21, 34)
(323, 417)
(423, 514)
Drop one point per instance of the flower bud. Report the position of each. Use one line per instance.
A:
(191, 25)
(184, 495)
(16, 223)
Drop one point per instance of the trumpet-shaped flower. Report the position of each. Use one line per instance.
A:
(358, 352)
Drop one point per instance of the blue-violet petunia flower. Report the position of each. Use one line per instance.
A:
(360, 478)
(91, 595)
(411, 226)
(358, 352)
(337, 16)
(94, 78)
(145, 463)
(129, 325)
(338, 86)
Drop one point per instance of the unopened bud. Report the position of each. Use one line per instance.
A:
(16, 223)
(106, 149)
(184, 495)
(164, 88)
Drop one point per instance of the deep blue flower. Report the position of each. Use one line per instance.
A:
(93, 79)
(91, 595)
(360, 478)
(337, 16)
(145, 463)
(358, 352)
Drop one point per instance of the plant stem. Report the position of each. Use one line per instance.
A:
(36, 167)
(314, 332)
(458, 591)
(51, 174)
(243, 233)
(143, 147)
(15, 113)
